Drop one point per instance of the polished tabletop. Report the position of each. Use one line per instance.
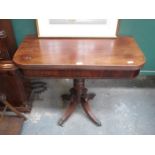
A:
(93, 53)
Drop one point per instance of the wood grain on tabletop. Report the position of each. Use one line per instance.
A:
(94, 53)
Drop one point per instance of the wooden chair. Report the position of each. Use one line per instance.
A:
(10, 124)
(4, 101)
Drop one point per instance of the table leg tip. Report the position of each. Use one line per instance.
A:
(98, 123)
(60, 122)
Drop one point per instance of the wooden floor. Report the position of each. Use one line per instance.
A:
(11, 125)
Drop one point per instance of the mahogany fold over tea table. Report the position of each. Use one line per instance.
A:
(79, 59)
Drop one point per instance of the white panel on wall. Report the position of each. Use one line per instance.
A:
(77, 27)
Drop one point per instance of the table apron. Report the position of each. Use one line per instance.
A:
(72, 73)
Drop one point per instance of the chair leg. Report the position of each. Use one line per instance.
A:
(3, 112)
(7, 104)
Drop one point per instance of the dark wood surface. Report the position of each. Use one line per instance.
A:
(10, 45)
(120, 53)
(14, 86)
(11, 125)
(79, 73)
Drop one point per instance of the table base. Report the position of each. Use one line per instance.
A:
(78, 95)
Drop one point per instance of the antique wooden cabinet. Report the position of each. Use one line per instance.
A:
(7, 39)
(12, 84)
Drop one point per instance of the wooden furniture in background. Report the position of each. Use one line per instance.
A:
(11, 82)
(79, 59)
(7, 39)
(5, 102)
(14, 86)
(11, 125)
